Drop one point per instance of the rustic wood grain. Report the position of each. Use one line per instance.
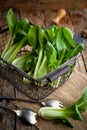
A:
(21, 126)
(80, 65)
(79, 21)
(42, 5)
(35, 17)
(7, 118)
(3, 18)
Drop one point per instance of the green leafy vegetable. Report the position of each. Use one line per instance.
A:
(51, 47)
(33, 37)
(43, 68)
(18, 36)
(68, 35)
(75, 51)
(21, 61)
(21, 30)
(60, 43)
(50, 33)
(39, 51)
(51, 54)
(11, 54)
(12, 21)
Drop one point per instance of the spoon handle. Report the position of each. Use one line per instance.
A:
(7, 108)
(17, 99)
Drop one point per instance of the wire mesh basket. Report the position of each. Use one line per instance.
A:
(34, 89)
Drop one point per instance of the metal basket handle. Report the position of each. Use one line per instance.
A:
(58, 74)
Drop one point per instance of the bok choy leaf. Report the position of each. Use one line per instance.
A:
(12, 21)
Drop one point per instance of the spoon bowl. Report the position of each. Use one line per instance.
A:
(27, 116)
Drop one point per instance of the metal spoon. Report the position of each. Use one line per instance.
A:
(27, 116)
(47, 102)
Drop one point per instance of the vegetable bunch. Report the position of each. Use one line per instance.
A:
(51, 47)
(74, 111)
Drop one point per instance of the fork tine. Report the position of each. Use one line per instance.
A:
(52, 103)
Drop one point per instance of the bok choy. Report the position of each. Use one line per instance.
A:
(51, 47)
(18, 30)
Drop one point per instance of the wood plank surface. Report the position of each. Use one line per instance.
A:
(79, 20)
(42, 5)
(67, 93)
(7, 118)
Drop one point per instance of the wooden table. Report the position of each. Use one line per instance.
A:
(76, 19)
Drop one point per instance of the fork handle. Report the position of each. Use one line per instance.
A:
(17, 99)
(7, 108)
